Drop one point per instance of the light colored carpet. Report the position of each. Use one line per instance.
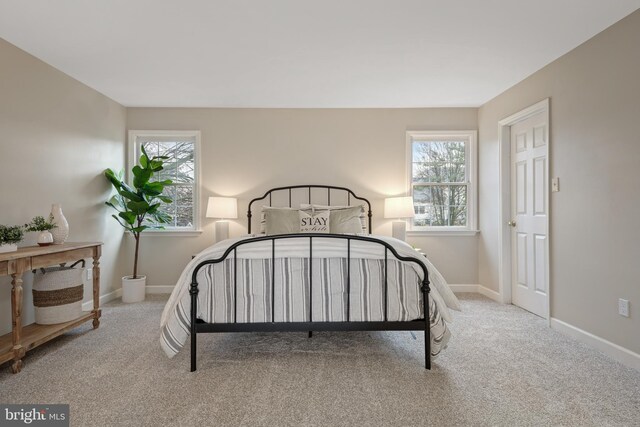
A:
(503, 366)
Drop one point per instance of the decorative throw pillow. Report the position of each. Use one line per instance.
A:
(318, 222)
(342, 218)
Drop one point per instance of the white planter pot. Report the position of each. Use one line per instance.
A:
(45, 238)
(8, 247)
(133, 289)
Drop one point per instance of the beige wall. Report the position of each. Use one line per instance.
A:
(56, 137)
(247, 151)
(595, 150)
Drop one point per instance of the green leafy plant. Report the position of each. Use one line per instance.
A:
(139, 205)
(11, 235)
(38, 223)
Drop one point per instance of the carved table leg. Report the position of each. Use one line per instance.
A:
(16, 320)
(96, 286)
(16, 366)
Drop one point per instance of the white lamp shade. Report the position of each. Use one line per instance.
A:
(399, 207)
(222, 207)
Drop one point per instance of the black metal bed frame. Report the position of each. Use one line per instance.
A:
(199, 326)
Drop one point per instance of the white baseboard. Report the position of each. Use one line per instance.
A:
(159, 289)
(167, 289)
(164, 289)
(478, 289)
(88, 306)
(489, 293)
(615, 351)
(464, 288)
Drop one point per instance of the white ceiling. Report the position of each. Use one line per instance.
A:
(303, 53)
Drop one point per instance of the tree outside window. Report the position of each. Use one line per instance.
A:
(180, 148)
(180, 169)
(440, 184)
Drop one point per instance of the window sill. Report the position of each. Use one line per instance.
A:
(445, 233)
(170, 233)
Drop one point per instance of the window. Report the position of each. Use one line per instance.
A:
(182, 167)
(442, 180)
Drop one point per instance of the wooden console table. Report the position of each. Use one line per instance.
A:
(14, 345)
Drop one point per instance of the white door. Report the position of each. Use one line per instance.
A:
(529, 210)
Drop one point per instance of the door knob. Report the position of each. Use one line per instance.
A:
(511, 223)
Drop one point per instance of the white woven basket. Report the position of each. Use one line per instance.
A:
(58, 294)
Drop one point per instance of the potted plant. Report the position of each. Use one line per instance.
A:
(10, 237)
(44, 227)
(138, 207)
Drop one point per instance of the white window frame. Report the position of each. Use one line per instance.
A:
(134, 150)
(471, 158)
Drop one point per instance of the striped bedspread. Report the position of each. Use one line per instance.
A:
(298, 290)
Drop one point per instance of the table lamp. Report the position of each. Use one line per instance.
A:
(222, 208)
(399, 208)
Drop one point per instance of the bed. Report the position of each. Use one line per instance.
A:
(285, 280)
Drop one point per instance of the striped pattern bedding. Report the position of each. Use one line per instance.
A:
(286, 297)
(292, 289)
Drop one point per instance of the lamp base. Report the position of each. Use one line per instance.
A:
(222, 230)
(399, 230)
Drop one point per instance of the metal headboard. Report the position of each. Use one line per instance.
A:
(269, 193)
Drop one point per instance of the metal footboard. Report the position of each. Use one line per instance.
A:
(198, 326)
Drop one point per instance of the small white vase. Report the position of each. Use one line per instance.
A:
(133, 289)
(45, 238)
(61, 232)
(8, 247)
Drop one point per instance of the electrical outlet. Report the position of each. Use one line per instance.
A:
(623, 307)
(555, 185)
(89, 273)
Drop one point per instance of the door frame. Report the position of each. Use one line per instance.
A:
(504, 231)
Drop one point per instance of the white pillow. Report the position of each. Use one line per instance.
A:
(314, 223)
